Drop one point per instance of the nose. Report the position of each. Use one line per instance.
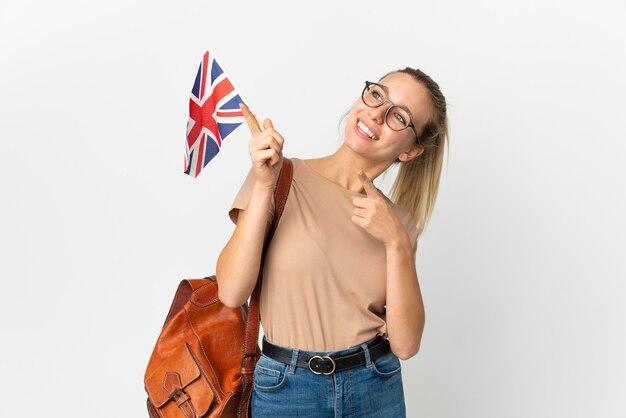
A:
(377, 114)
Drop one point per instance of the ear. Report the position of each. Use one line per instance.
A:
(415, 151)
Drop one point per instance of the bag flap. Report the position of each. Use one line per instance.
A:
(179, 370)
(205, 295)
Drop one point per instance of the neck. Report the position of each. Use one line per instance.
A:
(343, 166)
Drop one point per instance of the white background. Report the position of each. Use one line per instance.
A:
(522, 268)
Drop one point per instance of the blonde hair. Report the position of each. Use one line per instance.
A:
(417, 183)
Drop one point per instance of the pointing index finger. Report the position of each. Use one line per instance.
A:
(251, 120)
(370, 190)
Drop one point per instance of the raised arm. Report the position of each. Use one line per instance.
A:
(239, 262)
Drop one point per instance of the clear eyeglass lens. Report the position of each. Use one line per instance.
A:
(397, 118)
(374, 96)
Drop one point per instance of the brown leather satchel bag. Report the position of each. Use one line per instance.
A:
(203, 363)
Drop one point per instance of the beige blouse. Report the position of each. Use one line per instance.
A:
(324, 277)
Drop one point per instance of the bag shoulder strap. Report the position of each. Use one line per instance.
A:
(281, 193)
(250, 349)
(253, 321)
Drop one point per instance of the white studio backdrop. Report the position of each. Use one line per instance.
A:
(522, 267)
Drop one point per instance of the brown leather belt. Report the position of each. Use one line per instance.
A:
(327, 365)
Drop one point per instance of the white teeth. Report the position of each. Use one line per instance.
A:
(365, 130)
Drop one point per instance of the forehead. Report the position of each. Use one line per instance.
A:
(403, 89)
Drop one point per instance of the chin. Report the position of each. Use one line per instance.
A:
(356, 145)
(354, 141)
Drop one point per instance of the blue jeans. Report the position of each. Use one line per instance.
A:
(370, 390)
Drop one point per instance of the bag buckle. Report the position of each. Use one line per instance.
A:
(323, 358)
(245, 356)
(176, 393)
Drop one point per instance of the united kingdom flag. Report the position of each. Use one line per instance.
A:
(213, 114)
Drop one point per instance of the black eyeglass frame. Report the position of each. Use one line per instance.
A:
(410, 125)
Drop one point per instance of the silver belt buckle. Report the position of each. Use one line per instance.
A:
(322, 358)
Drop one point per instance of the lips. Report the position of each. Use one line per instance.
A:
(363, 134)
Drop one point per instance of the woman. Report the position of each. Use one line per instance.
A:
(340, 301)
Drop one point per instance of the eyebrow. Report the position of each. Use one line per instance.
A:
(402, 106)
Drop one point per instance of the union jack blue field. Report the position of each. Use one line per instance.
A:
(213, 114)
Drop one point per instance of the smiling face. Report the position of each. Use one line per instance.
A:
(368, 134)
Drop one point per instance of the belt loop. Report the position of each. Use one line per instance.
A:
(294, 360)
(366, 350)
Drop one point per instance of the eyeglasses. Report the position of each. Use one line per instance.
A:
(396, 117)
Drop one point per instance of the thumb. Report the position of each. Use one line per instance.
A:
(267, 123)
(369, 187)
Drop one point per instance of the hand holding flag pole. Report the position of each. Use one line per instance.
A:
(265, 147)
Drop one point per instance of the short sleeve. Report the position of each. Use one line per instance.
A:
(243, 197)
